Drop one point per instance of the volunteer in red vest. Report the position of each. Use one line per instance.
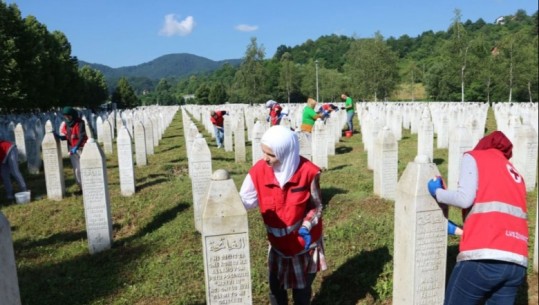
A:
(285, 188)
(216, 118)
(493, 254)
(74, 132)
(275, 110)
(9, 161)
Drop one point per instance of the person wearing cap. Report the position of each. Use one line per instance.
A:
(285, 187)
(9, 158)
(74, 132)
(217, 120)
(309, 116)
(493, 250)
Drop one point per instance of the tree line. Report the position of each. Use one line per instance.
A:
(471, 61)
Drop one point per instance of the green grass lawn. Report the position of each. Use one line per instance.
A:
(156, 256)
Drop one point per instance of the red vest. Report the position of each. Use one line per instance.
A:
(218, 119)
(73, 133)
(496, 226)
(283, 209)
(5, 147)
(275, 114)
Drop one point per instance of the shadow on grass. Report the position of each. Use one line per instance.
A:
(159, 220)
(328, 193)
(354, 279)
(438, 161)
(224, 159)
(80, 280)
(150, 180)
(168, 148)
(338, 167)
(59, 238)
(343, 150)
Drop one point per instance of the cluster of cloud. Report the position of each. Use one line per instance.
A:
(172, 26)
(246, 28)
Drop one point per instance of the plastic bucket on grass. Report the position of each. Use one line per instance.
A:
(348, 134)
(22, 197)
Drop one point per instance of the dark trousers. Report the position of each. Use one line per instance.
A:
(279, 296)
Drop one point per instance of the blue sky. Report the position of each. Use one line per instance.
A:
(120, 33)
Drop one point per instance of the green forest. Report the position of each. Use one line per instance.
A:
(495, 61)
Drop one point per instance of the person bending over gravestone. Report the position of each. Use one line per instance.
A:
(216, 118)
(493, 254)
(309, 116)
(349, 107)
(74, 132)
(285, 188)
(9, 156)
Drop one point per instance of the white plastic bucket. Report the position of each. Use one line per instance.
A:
(22, 197)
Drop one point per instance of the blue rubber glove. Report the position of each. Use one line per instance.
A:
(304, 233)
(434, 184)
(451, 227)
(73, 150)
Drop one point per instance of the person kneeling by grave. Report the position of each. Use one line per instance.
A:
(285, 187)
(9, 156)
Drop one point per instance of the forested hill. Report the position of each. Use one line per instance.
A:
(166, 66)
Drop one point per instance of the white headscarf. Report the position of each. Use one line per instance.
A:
(285, 145)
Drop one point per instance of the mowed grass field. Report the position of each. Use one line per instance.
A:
(156, 257)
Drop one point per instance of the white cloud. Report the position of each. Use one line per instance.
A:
(172, 26)
(246, 27)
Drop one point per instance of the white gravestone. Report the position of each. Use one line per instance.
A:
(33, 153)
(239, 141)
(425, 137)
(225, 240)
(9, 284)
(386, 169)
(96, 198)
(107, 137)
(227, 125)
(200, 171)
(125, 162)
(140, 144)
(320, 142)
(525, 155)
(258, 131)
(305, 145)
(20, 142)
(460, 142)
(420, 239)
(148, 131)
(99, 127)
(53, 165)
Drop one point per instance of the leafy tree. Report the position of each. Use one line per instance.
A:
(250, 76)
(124, 95)
(218, 94)
(93, 89)
(203, 95)
(372, 67)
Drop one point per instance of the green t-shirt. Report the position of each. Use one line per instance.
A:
(308, 116)
(349, 105)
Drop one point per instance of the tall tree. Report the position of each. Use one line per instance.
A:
(124, 95)
(250, 76)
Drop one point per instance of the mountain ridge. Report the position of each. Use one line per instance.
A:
(174, 65)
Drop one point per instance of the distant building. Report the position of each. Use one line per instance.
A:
(500, 20)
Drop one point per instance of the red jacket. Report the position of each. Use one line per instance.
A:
(275, 114)
(217, 120)
(73, 134)
(5, 147)
(496, 226)
(283, 210)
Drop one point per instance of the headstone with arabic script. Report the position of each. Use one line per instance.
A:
(225, 240)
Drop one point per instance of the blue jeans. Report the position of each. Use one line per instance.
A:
(489, 281)
(219, 135)
(279, 296)
(350, 120)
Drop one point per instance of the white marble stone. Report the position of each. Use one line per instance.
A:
(200, 171)
(53, 165)
(420, 239)
(225, 240)
(125, 162)
(9, 284)
(96, 197)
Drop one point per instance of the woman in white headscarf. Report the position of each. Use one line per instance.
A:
(285, 187)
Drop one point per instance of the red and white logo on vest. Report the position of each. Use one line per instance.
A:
(513, 173)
